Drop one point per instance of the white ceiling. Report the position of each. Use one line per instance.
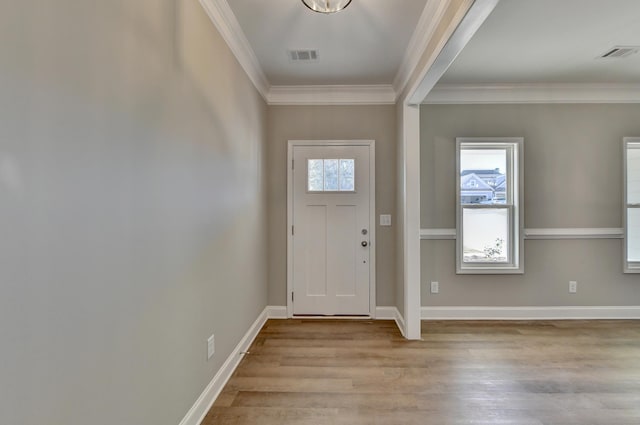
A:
(551, 41)
(363, 44)
(526, 51)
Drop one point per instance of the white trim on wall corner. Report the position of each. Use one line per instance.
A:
(548, 234)
(530, 313)
(410, 210)
(225, 21)
(332, 95)
(390, 313)
(386, 313)
(401, 324)
(533, 93)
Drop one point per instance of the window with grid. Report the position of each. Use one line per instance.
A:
(331, 175)
(489, 198)
(631, 205)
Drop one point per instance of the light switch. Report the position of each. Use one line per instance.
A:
(385, 219)
(211, 346)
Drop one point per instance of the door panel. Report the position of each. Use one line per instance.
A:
(345, 250)
(331, 273)
(316, 251)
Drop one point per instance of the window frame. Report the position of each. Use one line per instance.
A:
(628, 143)
(514, 202)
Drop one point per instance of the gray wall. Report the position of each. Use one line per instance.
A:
(132, 206)
(573, 178)
(332, 123)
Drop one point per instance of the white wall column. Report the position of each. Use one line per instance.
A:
(469, 17)
(411, 177)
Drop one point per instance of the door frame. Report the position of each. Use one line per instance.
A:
(372, 214)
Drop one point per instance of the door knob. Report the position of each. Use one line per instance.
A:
(364, 243)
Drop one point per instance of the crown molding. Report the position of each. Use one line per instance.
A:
(431, 16)
(332, 95)
(533, 93)
(225, 21)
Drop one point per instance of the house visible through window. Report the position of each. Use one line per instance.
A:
(632, 205)
(489, 218)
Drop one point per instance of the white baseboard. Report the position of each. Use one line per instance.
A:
(391, 313)
(530, 313)
(401, 325)
(381, 313)
(196, 414)
(198, 411)
(276, 311)
(386, 313)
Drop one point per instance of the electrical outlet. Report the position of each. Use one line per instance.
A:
(435, 287)
(573, 287)
(211, 346)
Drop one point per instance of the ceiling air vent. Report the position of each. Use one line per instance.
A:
(303, 55)
(619, 52)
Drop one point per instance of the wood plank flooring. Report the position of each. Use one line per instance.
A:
(312, 372)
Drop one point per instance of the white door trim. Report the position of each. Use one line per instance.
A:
(372, 213)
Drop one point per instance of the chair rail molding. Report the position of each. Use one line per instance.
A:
(548, 234)
(438, 234)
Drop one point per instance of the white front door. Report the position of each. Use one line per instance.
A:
(331, 235)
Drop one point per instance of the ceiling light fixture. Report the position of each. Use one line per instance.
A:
(326, 6)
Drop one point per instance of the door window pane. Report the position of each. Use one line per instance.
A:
(486, 235)
(331, 175)
(633, 234)
(316, 174)
(347, 174)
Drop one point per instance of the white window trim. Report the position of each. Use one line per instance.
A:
(516, 218)
(629, 266)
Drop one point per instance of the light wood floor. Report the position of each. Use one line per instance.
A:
(492, 373)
